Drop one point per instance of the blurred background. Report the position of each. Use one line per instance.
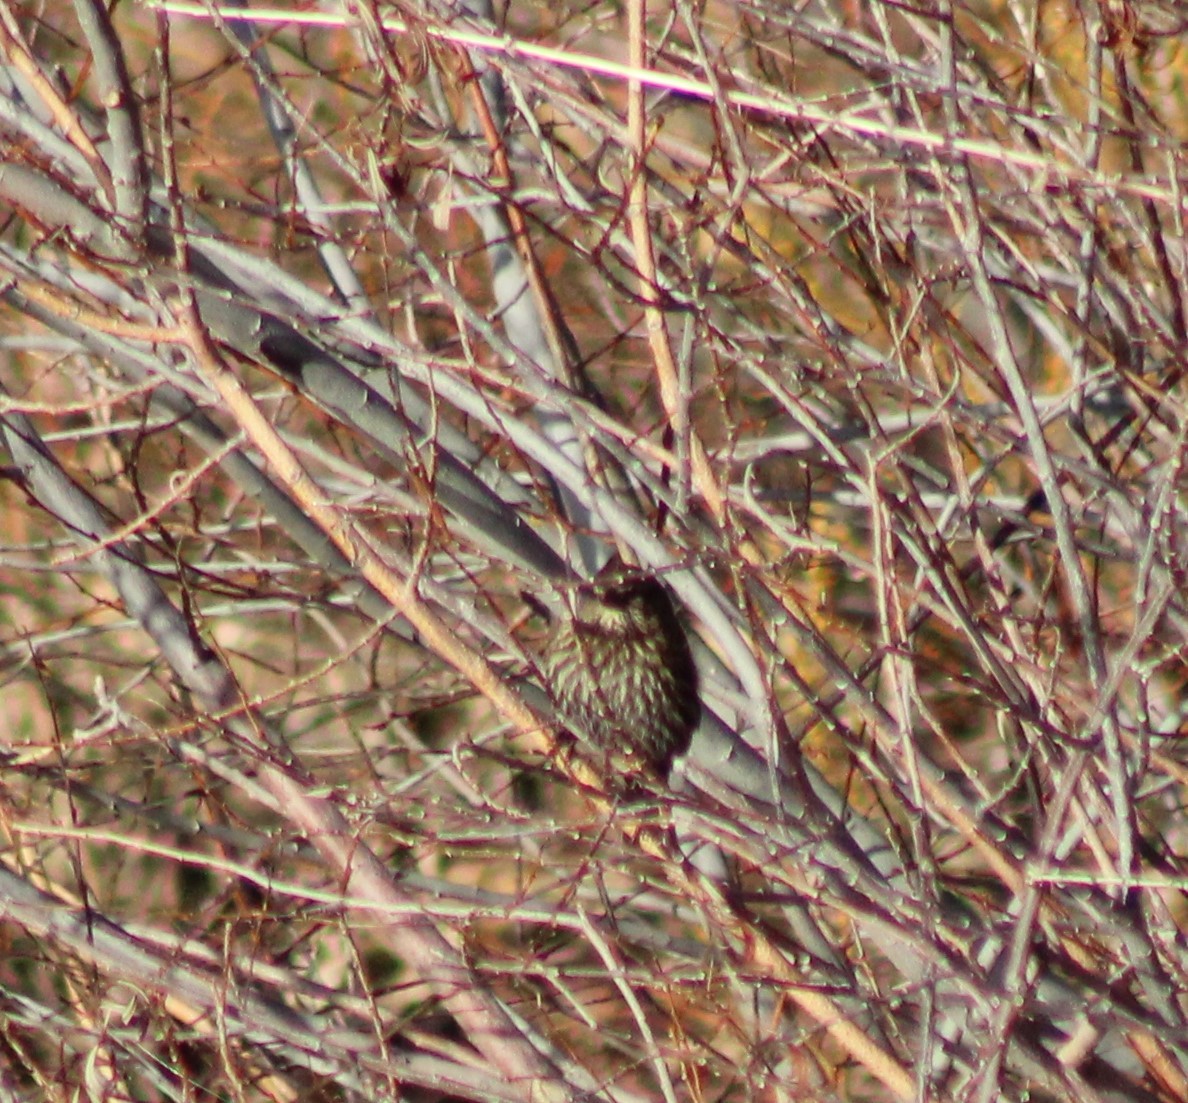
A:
(329, 333)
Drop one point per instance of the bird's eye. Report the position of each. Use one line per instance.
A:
(617, 597)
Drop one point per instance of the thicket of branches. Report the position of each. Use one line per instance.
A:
(330, 336)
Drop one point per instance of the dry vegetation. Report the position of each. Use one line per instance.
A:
(329, 336)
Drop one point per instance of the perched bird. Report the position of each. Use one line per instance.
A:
(621, 672)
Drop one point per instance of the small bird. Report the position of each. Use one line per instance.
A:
(620, 670)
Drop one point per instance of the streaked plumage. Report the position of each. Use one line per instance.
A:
(622, 674)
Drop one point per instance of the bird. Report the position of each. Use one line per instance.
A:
(621, 673)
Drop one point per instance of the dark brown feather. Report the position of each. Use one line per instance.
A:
(621, 672)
